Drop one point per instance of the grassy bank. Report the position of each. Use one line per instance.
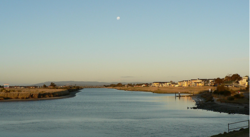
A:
(8, 94)
(170, 90)
(240, 133)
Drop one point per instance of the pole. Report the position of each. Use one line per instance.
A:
(228, 128)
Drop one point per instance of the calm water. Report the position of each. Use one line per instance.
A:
(112, 113)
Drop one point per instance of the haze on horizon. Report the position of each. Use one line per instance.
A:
(160, 40)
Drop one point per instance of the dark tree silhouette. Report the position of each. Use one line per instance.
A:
(119, 85)
(52, 84)
(44, 86)
(236, 77)
(218, 81)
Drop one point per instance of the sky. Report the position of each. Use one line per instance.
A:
(162, 40)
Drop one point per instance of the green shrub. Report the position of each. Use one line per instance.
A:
(230, 98)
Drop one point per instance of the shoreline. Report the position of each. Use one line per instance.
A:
(71, 94)
(165, 90)
(216, 106)
(201, 103)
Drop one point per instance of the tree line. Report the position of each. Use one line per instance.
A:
(228, 79)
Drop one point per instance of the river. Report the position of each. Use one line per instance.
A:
(112, 113)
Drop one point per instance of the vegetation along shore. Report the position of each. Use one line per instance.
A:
(43, 93)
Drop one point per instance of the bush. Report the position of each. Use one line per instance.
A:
(222, 90)
(239, 96)
(230, 98)
(224, 93)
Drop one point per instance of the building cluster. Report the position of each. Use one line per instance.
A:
(185, 83)
(197, 82)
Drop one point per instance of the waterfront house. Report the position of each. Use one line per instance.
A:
(197, 82)
(244, 81)
(161, 84)
(184, 83)
(210, 82)
(180, 83)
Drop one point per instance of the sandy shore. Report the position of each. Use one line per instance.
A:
(71, 94)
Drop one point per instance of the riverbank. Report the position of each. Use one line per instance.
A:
(210, 104)
(216, 106)
(240, 133)
(41, 94)
(166, 90)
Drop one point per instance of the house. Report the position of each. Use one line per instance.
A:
(244, 81)
(210, 82)
(156, 84)
(6, 85)
(161, 84)
(180, 83)
(184, 83)
(197, 82)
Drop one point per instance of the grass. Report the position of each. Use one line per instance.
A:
(31, 90)
(237, 100)
(191, 90)
(240, 133)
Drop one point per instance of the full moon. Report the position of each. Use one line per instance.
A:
(118, 18)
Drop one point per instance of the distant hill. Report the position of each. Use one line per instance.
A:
(77, 83)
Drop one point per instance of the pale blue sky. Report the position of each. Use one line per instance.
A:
(162, 40)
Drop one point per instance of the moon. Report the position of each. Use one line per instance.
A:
(118, 18)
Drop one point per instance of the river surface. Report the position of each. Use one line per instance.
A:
(112, 113)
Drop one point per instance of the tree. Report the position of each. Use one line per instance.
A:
(119, 85)
(218, 81)
(236, 77)
(44, 86)
(130, 84)
(52, 84)
(228, 77)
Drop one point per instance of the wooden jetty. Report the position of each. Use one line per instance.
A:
(179, 95)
